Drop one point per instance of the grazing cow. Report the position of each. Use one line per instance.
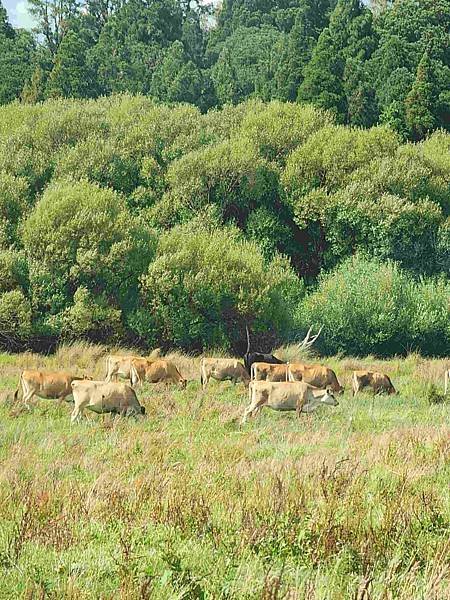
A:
(378, 382)
(298, 396)
(50, 385)
(266, 372)
(117, 364)
(155, 371)
(447, 381)
(105, 397)
(315, 375)
(222, 369)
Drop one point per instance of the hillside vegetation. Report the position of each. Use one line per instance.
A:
(123, 220)
(347, 503)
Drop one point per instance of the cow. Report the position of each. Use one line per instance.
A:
(378, 382)
(155, 371)
(55, 385)
(315, 375)
(222, 369)
(105, 397)
(284, 396)
(117, 364)
(267, 372)
(447, 381)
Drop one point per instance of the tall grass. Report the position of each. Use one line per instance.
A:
(351, 502)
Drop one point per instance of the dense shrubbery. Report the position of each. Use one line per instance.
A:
(122, 219)
(368, 305)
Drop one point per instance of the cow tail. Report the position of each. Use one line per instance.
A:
(20, 386)
(201, 371)
(134, 377)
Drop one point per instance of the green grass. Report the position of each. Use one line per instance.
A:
(349, 502)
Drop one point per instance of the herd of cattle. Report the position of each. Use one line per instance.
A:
(281, 386)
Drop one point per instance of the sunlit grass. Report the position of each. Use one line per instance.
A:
(187, 503)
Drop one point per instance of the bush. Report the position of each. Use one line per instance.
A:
(332, 154)
(206, 284)
(230, 174)
(15, 317)
(369, 307)
(278, 128)
(80, 235)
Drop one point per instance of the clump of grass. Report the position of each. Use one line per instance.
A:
(433, 395)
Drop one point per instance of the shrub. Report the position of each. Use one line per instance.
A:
(15, 317)
(206, 283)
(230, 174)
(14, 197)
(278, 128)
(330, 156)
(369, 307)
(80, 235)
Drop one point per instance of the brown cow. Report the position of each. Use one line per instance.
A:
(222, 369)
(261, 371)
(105, 397)
(155, 372)
(315, 375)
(378, 382)
(119, 364)
(50, 385)
(284, 396)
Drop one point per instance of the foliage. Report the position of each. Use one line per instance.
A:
(370, 306)
(80, 236)
(207, 283)
(87, 188)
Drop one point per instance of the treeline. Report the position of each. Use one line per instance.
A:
(123, 220)
(387, 64)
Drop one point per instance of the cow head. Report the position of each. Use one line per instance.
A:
(329, 398)
(183, 383)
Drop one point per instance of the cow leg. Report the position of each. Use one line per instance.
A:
(447, 378)
(78, 411)
(27, 395)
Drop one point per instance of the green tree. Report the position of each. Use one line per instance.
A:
(16, 56)
(53, 19)
(297, 46)
(176, 78)
(246, 65)
(131, 44)
(328, 80)
(420, 101)
(72, 76)
(81, 236)
(206, 283)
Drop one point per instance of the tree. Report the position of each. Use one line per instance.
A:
(72, 75)
(246, 65)
(326, 82)
(420, 101)
(16, 56)
(206, 283)
(297, 47)
(132, 42)
(176, 78)
(53, 18)
(81, 236)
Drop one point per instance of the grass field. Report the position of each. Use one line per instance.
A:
(349, 502)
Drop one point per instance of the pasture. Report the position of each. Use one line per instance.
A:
(348, 502)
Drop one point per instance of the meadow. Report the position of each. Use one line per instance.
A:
(348, 502)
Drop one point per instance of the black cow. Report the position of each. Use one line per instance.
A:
(252, 357)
